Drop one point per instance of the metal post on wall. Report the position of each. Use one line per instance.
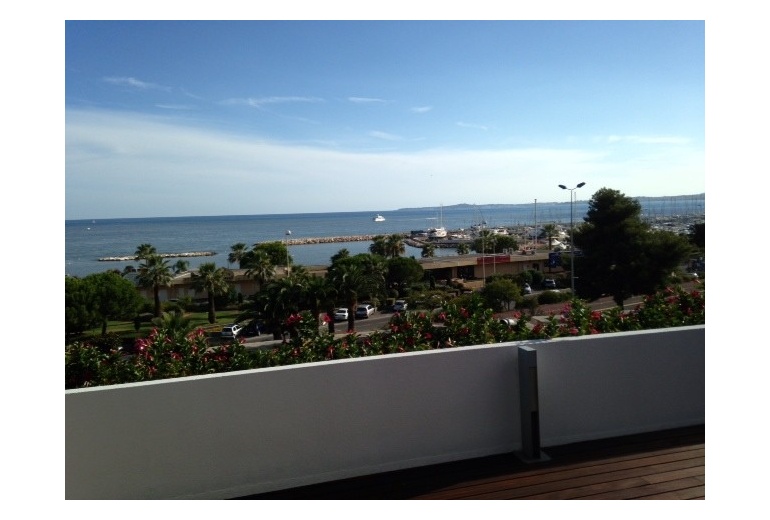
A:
(530, 409)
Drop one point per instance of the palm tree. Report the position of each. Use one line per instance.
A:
(379, 246)
(354, 280)
(320, 294)
(145, 251)
(463, 249)
(550, 231)
(215, 281)
(175, 324)
(237, 251)
(394, 245)
(261, 269)
(181, 266)
(279, 299)
(155, 273)
(428, 251)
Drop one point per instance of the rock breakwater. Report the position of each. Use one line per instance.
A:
(162, 255)
(326, 240)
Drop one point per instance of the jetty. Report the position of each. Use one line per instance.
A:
(328, 240)
(162, 255)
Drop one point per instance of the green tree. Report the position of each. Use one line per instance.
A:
(215, 282)
(621, 255)
(551, 232)
(78, 311)
(320, 295)
(112, 298)
(237, 252)
(277, 301)
(276, 251)
(144, 251)
(175, 324)
(356, 278)
(697, 235)
(378, 246)
(498, 292)
(260, 268)
(463, 249)
(428, 250)
(339, 255)
(403, 272)
(395, 245)
(181, 266)
(155, 273)
(488, 242)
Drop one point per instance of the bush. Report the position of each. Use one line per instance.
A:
(461, 322)
(547, 297)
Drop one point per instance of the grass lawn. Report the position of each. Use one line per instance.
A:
(198, 319)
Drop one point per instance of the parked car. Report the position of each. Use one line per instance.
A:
(232, 330)
(549, 283)
(254, 328)
(364, 311)
(400, 306)
(341, 314)
(526, 289)
(508, 321)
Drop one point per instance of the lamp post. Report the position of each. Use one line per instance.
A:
(288, 234)
(572, 232)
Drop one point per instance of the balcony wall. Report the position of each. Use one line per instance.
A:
(230, 435)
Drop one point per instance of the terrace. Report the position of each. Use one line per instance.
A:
(605, 416)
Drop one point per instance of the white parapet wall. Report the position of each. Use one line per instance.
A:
(235, 434)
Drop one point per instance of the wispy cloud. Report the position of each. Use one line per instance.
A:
(471, 125)
(105, 150)
(641, 139)
(386, 136)
(421, 110)
(135, 83)
(175, 107)
(362, 100)
(272, 100)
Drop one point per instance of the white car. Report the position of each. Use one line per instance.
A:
(527, 289)
(364, 311)
(400, 306)
(341, 314)
(232, 330)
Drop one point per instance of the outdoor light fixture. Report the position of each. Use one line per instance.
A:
(288, 234)
(572, 231)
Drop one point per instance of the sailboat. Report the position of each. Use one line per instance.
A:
(438, 232)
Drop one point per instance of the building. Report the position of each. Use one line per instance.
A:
(465, 271)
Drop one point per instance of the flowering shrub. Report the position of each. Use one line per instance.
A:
(163, 354)
(158, 356)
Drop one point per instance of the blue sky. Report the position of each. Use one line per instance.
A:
(172, 118)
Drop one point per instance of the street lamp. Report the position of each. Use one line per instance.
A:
(288, 234)
(572, 232)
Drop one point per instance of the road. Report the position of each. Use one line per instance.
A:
(377, 321)
(380, 318)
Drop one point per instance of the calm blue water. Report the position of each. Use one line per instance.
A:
(88, 240)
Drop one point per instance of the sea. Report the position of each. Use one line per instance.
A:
(88, 240)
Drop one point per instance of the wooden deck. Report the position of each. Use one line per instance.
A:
(666, 465)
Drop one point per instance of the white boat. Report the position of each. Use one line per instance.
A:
(438, 232)
(379, 218)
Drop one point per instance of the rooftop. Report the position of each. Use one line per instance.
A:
(662, 465)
